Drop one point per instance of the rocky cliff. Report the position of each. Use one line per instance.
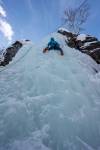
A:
(11, 51)
(85, 43)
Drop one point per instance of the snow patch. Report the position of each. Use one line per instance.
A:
(63, 29)
(81, 37)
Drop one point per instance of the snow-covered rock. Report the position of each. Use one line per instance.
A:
(85, 43)
(63, 29)
(10, 52)
(24, 42)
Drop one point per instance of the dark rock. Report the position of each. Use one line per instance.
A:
(96, 55)
(90, 45)
(10, 52)
(67, 34)
(90, 39)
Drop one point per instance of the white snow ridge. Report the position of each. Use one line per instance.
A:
(48, 101)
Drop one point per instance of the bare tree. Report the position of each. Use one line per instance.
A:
(74, 18)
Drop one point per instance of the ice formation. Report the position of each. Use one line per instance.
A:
(48, 101)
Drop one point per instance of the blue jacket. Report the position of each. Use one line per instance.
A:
(53, 43)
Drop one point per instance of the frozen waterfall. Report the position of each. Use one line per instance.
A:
(48, 101)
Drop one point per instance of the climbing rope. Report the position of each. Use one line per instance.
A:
(10, 65)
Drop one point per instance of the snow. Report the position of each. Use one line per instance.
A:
(63, 29)
(89, 43)
(81, 37)
(2, 55)
(48, 100)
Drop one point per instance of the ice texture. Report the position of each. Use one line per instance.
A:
(49, 101)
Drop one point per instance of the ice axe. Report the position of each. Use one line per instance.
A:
(45, 50)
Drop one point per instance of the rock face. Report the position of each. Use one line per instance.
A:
(85, 43)
(11, 51)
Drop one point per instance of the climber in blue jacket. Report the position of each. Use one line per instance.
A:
(53, 45)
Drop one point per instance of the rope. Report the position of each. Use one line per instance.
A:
(10, 65)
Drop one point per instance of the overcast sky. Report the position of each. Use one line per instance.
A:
(34, 19)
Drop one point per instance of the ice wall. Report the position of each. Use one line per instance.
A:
(48, 101)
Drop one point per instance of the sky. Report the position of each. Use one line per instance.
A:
(35, 19)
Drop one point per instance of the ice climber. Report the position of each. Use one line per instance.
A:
(53, 45)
